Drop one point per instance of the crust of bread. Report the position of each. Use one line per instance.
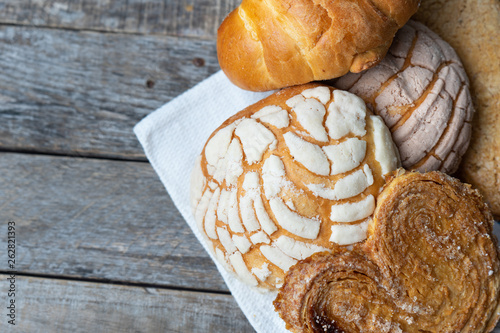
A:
(265, 45)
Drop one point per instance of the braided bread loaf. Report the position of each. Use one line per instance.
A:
(265, 45)
(291, 175)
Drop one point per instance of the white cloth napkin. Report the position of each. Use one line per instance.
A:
(172, 137)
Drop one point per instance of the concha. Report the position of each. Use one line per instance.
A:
(290, 176)
(421, 91)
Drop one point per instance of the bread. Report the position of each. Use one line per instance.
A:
(430, 264)
(266, 45)
(473, 29)
(421, 91)
(291, 175)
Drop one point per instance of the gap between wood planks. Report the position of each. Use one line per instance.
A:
(104, 31)
(116, 282)
(75, 154)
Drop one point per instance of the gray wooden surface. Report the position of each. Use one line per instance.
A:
(100, 246)
(58, 305)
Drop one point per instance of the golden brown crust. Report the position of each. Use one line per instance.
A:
(472, 27)
(280, 180)
(430, 264)
(265, 45)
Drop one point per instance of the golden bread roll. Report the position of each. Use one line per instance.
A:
(430, 264)
(421, 91)
(266, 45)
(291, 175)
(473, 29)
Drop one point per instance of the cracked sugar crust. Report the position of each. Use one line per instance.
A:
(289, 176)
(472, 28)
(421, 91)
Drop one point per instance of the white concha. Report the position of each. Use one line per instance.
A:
(292, 175)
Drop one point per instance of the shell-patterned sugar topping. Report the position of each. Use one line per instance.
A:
(288, 177)
(421, 91)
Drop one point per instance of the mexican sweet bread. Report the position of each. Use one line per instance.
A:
(473, 29)
(266, 45)
(430, 264)
(421, 91)
(291, 175)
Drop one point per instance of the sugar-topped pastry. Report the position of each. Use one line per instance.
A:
(289, 176)
(421, 91)
(430, 264)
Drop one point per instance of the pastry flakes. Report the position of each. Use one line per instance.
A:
(430, 264)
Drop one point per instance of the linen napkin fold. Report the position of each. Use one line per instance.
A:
(172, 137)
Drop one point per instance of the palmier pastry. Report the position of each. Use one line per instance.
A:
(421, 91)
(265, 45)
(291, 175)
(430, 264)
(473, 29)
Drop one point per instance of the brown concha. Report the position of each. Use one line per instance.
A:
(421, 91)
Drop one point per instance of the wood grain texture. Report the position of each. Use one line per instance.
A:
(47, 305)
(189, 18)
(70, 92)
(98, 219)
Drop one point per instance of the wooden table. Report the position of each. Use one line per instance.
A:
(100, 246)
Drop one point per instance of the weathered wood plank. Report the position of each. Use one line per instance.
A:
(70, 92)
(46, 305)
(98, 219)
(195, 18)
